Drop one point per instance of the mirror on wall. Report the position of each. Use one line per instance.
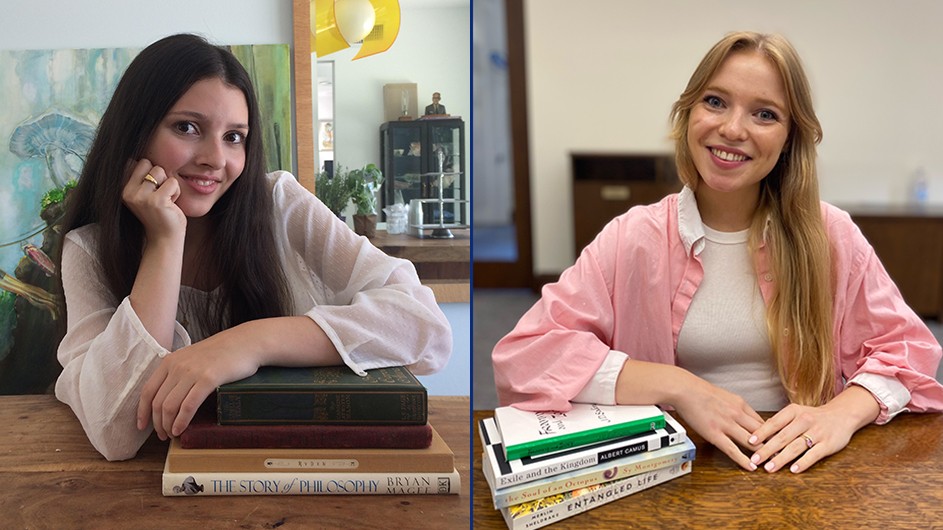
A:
(324, 115)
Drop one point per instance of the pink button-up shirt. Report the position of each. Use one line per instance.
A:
(631, 288)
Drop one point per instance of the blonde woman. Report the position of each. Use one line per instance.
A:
(741, 293)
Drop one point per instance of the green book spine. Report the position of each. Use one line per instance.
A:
(539, 447)
(323, 396)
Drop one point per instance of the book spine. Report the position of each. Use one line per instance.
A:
(211, 436)
(574, 505)
(591, 476)
(508, 474)
(322, 407)
(538, 447)
(259, 463)
(201, 484)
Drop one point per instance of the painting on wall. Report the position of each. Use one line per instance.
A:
(53, 100)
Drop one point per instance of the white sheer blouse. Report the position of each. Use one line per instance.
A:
(371, 306)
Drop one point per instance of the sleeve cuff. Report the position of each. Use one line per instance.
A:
(601, 389)
(337, 342)
(889, 392)
(181, 337)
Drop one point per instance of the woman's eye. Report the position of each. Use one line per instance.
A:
(235, 137)
(767, 115)
(713, 101)
(185, 127)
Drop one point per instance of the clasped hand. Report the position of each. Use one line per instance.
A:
(729, 423)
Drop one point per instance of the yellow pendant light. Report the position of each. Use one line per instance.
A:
(336, 24)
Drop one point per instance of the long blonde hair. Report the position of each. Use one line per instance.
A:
(788, 219)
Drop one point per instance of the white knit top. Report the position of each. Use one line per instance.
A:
(724, 339)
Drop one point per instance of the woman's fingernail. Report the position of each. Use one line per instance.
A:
(755, 459)
(752, 466)
(769, 466)
(794, 468)
(752, 439)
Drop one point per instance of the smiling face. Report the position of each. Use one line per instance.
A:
(201, 143)
(738, 129)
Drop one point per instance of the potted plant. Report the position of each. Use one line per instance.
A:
(335, 191)
(365, 183)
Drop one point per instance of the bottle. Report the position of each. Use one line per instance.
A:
(919, 188)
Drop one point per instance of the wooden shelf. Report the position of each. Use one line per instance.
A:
(442, 264)
(450, 291)
(908, 239)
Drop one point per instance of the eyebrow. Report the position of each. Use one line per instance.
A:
(762, 101)
(199, 116)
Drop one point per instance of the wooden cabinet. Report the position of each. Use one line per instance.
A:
(607, 185)
(909, 242)
(425, 159)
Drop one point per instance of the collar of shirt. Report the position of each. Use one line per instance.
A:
(690, 225)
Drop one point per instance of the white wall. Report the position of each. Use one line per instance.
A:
(50, 24)
(602, 77)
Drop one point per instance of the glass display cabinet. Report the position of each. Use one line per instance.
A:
(423, 163)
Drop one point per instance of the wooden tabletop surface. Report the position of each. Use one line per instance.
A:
(442, 264)
(52, 477)
(425, 249)
(889, 476)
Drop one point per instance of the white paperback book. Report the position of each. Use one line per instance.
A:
(528, 433)
(588, 476)
(535, 514)
(510, 472)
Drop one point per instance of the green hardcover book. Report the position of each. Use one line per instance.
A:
(332, 395)
(534, 433)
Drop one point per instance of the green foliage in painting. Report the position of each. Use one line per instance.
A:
(56, 195)
(269, 67)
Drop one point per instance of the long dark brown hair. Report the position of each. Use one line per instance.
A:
(241, 251)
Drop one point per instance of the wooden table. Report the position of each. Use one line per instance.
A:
(445, 259)
(888, 477)
(52, 477)
(442, 264)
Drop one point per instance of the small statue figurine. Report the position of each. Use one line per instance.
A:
(435, 108)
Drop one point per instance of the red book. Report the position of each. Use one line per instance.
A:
(205, 433)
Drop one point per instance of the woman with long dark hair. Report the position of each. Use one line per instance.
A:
(185, 265)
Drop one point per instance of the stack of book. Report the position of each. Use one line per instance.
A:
(313, 431)
(542, 467)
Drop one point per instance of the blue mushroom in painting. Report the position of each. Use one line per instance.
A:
(61, 140)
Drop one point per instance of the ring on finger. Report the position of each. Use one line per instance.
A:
(808, 441)
(150, 178)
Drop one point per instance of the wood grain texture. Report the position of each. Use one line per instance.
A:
(888, 477)
(424, 250)
(304, 110)
(53, 478)
(909, 243)
(449, 291)
(442, 264)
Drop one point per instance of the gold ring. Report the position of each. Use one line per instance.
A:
(808, 441)
(150, 178)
